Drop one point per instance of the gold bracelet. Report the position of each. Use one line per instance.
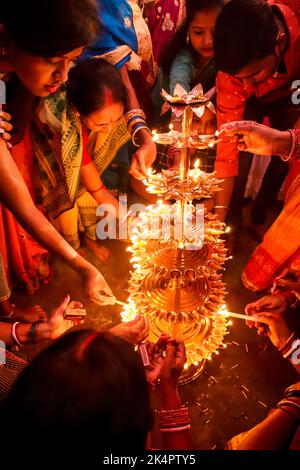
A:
(137, 130)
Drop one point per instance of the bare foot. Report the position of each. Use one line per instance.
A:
(27, 314)
(101, 252)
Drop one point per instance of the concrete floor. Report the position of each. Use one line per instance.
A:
(237, 388)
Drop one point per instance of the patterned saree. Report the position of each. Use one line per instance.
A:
(58, 148)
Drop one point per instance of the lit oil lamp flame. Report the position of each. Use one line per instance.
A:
(197, 163)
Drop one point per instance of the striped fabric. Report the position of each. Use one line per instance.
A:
(9, 372)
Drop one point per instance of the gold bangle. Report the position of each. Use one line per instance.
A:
(135, 132)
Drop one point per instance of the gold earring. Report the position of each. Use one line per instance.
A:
(187, 37)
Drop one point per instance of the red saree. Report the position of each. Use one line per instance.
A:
(24, 259)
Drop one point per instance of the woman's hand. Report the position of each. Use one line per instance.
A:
(257, 138)
(278, 330)
(173, 364)
(56, 324)
(276, 303)
(96, 287)
(143, 158)
(156, 353)
(5, 128)
(134, 331)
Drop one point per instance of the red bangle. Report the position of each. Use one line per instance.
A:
(98, 189)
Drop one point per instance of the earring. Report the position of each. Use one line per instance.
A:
(187, 37)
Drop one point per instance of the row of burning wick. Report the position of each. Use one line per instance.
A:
(195, 140)
(223, 311)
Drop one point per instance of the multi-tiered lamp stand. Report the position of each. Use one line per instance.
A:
(176, 280)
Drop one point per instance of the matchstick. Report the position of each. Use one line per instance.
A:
(237, 315)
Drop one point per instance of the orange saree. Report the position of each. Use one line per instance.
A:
(24, 259)
(280, 247)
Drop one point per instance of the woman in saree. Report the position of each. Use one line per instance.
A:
(77, 134)
(126, 44)
(38, 47)
(280, 248)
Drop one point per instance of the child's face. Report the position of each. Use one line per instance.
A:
(206, 125)
(201, 31)
(104, 119)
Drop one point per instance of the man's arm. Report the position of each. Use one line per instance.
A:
(231, 102)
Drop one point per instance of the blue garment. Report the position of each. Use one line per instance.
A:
(182, 71)
(116, 17)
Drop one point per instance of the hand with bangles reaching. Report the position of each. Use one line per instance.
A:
(167, 358)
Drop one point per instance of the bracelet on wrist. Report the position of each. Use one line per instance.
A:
(291, 392)
(174, 420)
(291, 403)
(287, 344)
(143, 126)
(292, 348)
(14, 334)
(98, 189)
(286, 411)
(32, 334)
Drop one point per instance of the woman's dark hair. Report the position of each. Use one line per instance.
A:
(20, 104)
(87, 390)
(50, 28)
(89, 82)
(245, 31)
(178, 41)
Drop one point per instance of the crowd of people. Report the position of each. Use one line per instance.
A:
(83, 80)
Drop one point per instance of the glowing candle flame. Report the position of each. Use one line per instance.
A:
(197, 163)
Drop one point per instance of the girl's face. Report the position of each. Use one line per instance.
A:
(42, 76)
(104, 118)
(201, 31)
